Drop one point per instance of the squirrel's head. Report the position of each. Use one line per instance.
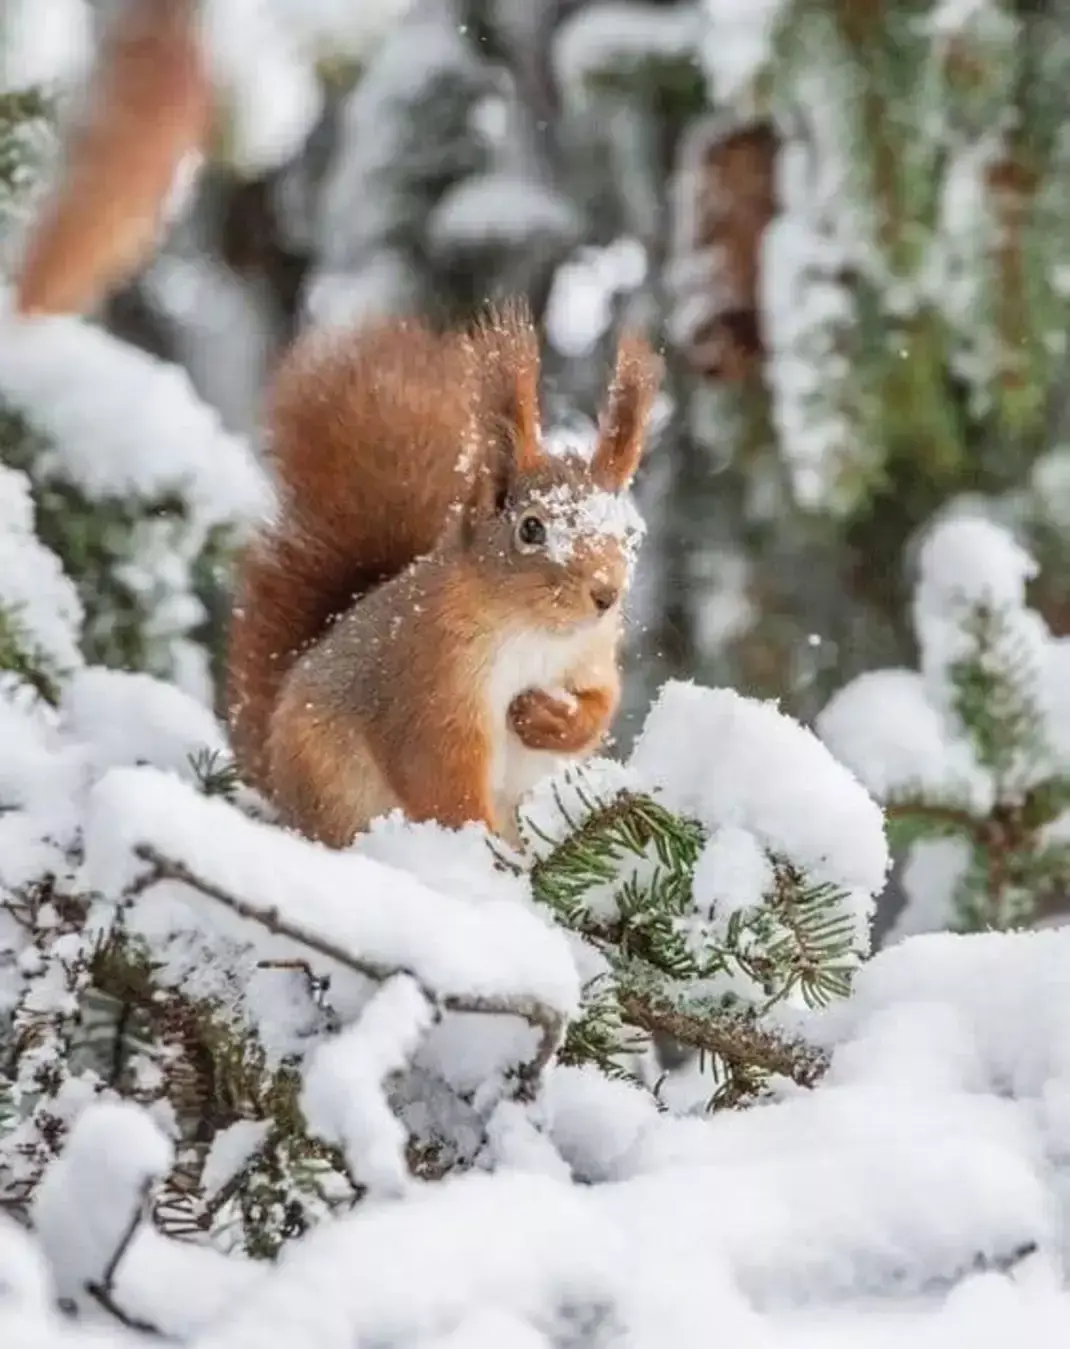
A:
(556, 533)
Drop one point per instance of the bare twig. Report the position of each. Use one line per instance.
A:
(103, 1293)
(546, 1020)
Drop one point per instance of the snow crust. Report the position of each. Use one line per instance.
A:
(906, 1189)
(737, 763)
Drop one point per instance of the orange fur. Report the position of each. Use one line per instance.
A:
(364, 458)
(576, 726)
(149, 105)
(506, 341)
(384, 620)
(625, 415)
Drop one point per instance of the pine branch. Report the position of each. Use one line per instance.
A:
(25, 661)
(737, 1039)
(622, 880)
(995, 698)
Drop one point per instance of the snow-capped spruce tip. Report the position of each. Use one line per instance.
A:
(970, 754)
(724, 876)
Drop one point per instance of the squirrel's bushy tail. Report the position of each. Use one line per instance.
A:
(372, 436)
(149, 105)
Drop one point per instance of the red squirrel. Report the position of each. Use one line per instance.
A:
(432, 620)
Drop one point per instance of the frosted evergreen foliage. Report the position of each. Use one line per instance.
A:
(970, 752)
(381, 1059)
(137, 489)
(917, 254)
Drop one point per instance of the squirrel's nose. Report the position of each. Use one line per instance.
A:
(604, 596)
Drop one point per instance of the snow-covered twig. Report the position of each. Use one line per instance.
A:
(93, 1201)
(102, 1291)
(548, 1022)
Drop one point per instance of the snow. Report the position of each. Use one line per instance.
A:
(46, 42)
(953, 17)
(118, 426)
(736, 762)
(25, 1278)
(132, 718)
(732, 874)
(934, 1146)
(270, 96)
(885, 728)
(970, 561)
(931, 874)
(574, 518)
(737, 46)
(579, 309)
(903, 732)
(453, 947)
(966, 565)
(103, 403)
(930, 1142)
(86, 1203)
(231, 1149)
(343, 1099)
(895, 1201)
(264, 56)
(557, 804)
(494, 209)
(338, 28)
(609, 36)
(42, 781)
(595, 1123)
(36, 597)
(356, 213)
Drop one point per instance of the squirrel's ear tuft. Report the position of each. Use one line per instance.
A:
(505, 345)
(622, 425)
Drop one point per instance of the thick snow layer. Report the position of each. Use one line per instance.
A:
(270, 95)
(734, 762)
(122, 423)
(901, 730)
(579, 309)
(350, 903)
(931, 1157)
(737, 46)
(497, 210)
(909, 736)
(133, 718)
(264, 56)
(338, 28)
(884, 727)
(610, 36)
(44, 42)
(969, 564)
(89, 1198)
(343, 1098)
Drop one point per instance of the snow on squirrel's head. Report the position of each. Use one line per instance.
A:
(555, 529)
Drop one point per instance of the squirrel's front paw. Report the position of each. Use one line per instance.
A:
(563, 721)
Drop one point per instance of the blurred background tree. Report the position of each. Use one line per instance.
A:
(848, 223)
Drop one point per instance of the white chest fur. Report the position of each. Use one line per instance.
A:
(532, 659)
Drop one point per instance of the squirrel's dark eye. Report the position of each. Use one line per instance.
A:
(531, 531)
